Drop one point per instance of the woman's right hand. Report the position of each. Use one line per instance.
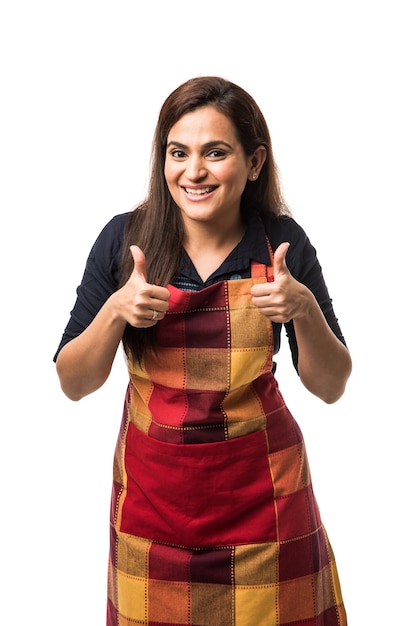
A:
(138, 302)
(85, 362)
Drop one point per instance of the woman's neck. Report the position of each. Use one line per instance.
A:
(208, 248)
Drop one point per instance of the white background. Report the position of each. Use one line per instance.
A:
(81, 86)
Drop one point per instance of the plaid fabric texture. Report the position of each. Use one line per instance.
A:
(214, 521)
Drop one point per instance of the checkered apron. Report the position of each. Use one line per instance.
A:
(214, 521)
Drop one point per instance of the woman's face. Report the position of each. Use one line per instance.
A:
(206, 168)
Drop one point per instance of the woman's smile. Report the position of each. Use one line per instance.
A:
(199, 192)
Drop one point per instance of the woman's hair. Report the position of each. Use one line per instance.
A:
(155, 225)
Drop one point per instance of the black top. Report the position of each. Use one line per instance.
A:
(101, 274)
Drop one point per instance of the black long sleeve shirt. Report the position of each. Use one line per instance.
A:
(101, 273)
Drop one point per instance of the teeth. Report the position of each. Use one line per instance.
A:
(198, 192)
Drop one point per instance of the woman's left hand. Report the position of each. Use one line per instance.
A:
(324, 363)
(285, 298)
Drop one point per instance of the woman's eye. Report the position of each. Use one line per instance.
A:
(178, 154)
(216, 153)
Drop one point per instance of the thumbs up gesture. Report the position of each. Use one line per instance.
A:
(140, 303)
(285, 298)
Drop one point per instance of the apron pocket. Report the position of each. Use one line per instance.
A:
(199, 495)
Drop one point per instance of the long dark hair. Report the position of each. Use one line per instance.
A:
(155, 225)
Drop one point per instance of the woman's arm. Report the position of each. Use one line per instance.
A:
(324, 363)
(84, 364)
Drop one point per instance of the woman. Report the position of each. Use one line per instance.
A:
(214, 521)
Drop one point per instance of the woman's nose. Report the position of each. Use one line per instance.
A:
(196, 169)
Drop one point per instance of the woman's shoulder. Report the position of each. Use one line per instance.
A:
(301, 256)
(111, 236)
(106, 253)
(284, 228)
(115, 227)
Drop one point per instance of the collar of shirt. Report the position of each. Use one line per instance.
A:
(253, 246)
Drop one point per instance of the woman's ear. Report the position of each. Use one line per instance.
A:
(256, 162)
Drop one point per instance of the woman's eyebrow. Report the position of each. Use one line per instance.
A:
(206, 146)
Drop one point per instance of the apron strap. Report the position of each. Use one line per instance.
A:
(259, 270)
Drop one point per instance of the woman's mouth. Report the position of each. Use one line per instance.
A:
(199, 191)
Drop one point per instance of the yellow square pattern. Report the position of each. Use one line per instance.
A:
(132, 555)
(131, 595)
(247, 366)
(242, 404)
(207, 370)
(256, 564)
(255, 605)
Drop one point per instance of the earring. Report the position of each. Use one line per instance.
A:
(254, 176)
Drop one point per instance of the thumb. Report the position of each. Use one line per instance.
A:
(140, 266)
(280, 266)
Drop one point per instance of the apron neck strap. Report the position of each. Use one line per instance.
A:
(259, 270)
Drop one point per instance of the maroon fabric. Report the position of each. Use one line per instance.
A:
(201, 490)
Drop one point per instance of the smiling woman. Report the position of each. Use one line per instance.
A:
(214, 519)
(206, 170)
